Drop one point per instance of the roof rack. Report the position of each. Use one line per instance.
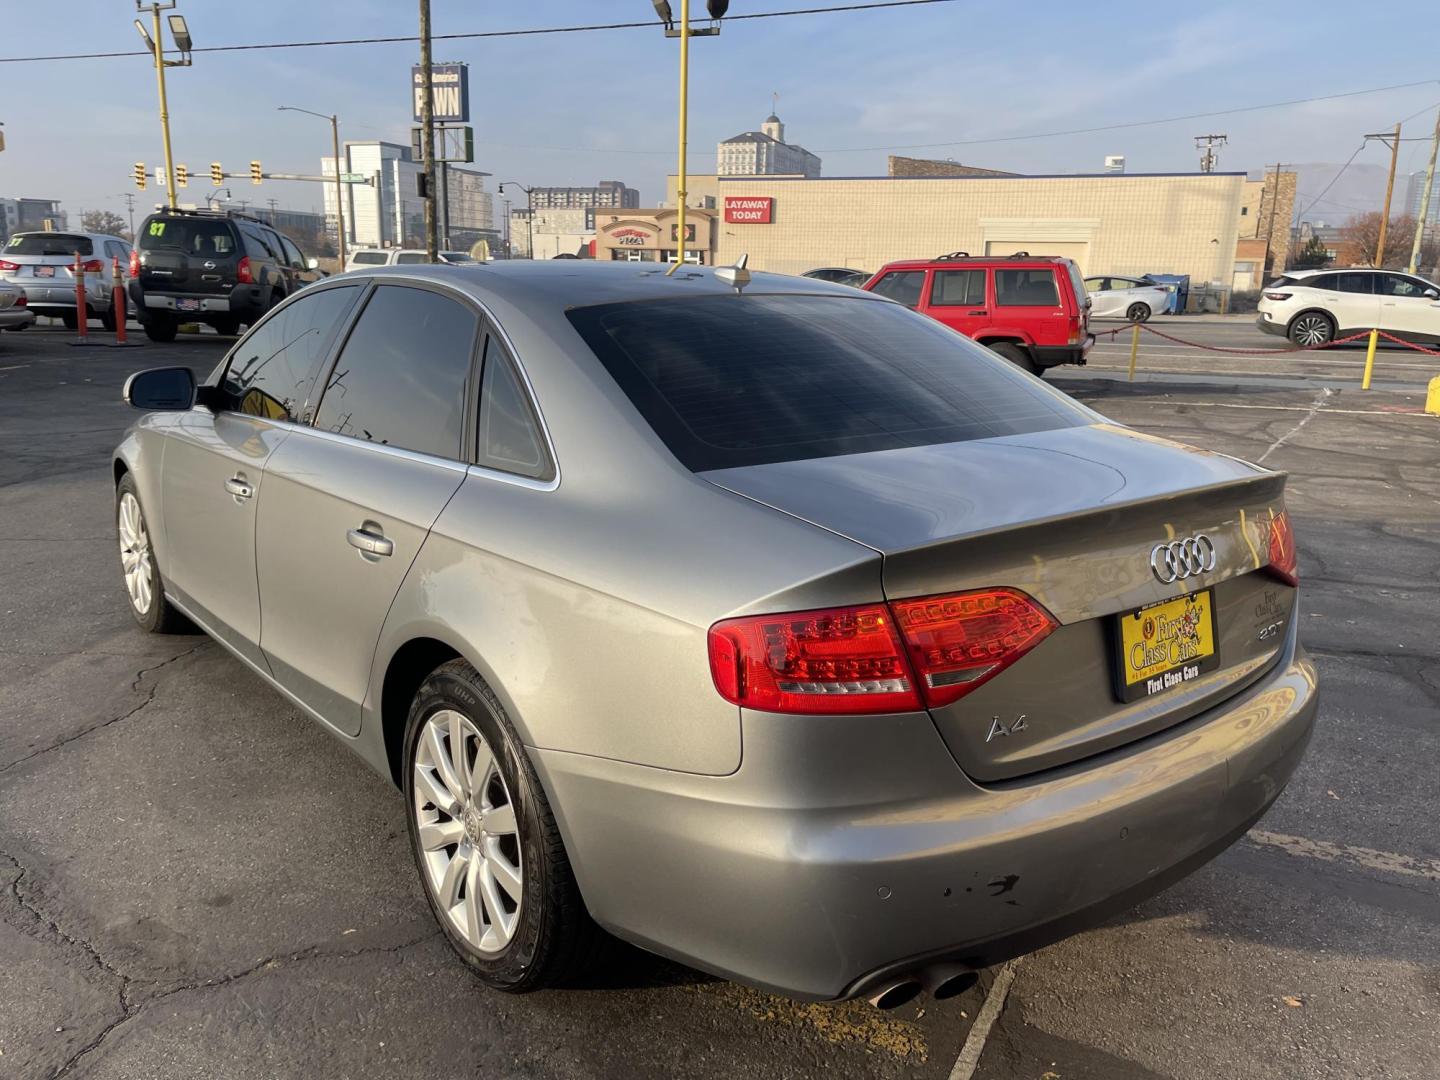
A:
(953, 255)
(956, 256)
(196, 212)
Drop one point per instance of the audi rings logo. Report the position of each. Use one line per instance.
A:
(1180, 559)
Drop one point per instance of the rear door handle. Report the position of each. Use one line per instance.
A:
(239, 487)
(977, 313)
(369, 543)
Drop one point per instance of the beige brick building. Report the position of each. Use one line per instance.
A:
(1259, 206)
(1110, 224)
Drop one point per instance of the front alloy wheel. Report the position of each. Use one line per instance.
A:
(1311, 329)
(1138, 312)
(135, 554)
(467, 832)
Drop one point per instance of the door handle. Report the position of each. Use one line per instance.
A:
(239, 487)
(977, 313)
(369, 543)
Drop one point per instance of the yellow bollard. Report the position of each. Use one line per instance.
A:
(1134, 348)
(1370, 359)
(1432, 399)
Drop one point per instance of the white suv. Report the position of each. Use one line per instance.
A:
(401, 257)
(1311, 307)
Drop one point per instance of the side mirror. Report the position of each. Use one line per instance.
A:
(166, 389)
(1432, 294)
(312, 263)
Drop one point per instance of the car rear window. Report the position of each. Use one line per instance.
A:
(49, 244)
(727, 381)
(369, 258)
(190, 235)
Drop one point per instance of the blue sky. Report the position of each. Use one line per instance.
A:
(575, 108)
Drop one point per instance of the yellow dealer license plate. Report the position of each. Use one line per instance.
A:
(1166, 645)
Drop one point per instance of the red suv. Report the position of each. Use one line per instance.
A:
(1031, 309)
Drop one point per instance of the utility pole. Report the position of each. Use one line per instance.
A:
(1270, 229)
(1393, 142)
(129, 198)
(427, 133)
(1425, 200)
(1208, 143)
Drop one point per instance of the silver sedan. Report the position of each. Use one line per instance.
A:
(759, 621)
(15, 313)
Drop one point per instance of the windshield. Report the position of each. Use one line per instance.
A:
(48, 243)
(194, 236)
(727, 381)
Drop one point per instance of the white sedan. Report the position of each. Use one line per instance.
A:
(1135, 299)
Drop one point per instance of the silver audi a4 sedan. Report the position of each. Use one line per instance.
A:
(758, 621)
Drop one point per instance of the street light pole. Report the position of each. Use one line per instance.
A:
(155, 40)
(339, 186)
(530, 216)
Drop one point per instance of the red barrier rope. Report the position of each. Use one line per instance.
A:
(1361, 336)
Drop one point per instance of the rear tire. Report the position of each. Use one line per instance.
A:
(107, 318)
(1017, 355)
(498, 828)
(228, 327)
(1138, 312)
(161, 328)
(1311, 328)
(71, 321)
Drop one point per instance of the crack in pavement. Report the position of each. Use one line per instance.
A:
(134, 686)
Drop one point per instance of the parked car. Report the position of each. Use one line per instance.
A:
(43, 264)
(840, 275)
(221, 268)
(1311, 307)
(15, 313)
(1135, 299)
(401, 257)
(1000, 667)
(1031, 309)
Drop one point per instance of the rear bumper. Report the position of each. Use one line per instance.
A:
(1052, 355)
(244, 303)
(846, 851)
(14, 318)
(52, 299)
(1265, 322)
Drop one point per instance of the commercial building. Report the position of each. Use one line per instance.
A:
(553, 232)
(389, 212)
(607, 193)
(1263, 248)
(897, 165)
(764, 153)
(1116, 223)
(1415, 192)
(653, 235)
(30, 215)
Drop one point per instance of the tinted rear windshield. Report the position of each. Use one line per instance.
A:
(194, 236)
(369, 258)
(728, 381)
(53, 243)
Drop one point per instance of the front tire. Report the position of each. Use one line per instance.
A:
(486, 844)
(143, 584)
(1312, 328)
(1138, 313)
(1017, 355)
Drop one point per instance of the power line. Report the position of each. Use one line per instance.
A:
(1334, 178)
(531, 32)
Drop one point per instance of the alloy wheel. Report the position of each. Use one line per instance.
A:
(1311, 330)
(135, 553)
(467, 832)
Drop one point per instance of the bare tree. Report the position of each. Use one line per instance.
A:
(1362, 234)
(104, 221)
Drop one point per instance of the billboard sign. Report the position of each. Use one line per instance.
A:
(451, 89)
(749, 211)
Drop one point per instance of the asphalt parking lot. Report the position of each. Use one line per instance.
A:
(197, 882)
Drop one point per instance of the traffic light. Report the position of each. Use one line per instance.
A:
(255, 176)
(139, 175)
(217, 174)
(182, 175)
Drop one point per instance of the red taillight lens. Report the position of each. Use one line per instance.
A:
(22, 300)
(242, 271)
(1277, 296)
(839, 660)
(958, 642)
(1284, 563)
(93, 266)
(134, 263)
(7, 266)
(866, 659)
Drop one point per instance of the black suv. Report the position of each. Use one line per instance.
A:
(215, 267)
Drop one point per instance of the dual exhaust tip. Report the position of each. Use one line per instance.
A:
(941, 981)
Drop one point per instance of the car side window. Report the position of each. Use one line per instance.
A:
(901, 285)
(1324, 281)
(273, 368)
(1356, 283)
(1396, 285)
(1097, 284)
(958, 288)
(292, 253)
(114, 249)
(255, 245)
(509, 433)
(403, 377)
(1026, 288)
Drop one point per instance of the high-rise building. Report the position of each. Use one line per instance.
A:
(391, 213)
(606, 194)
(1415, 191)
(764, 153)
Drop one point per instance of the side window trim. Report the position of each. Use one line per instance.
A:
(505, 355)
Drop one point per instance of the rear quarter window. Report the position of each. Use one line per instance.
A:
(1033, 287)
(728, 381)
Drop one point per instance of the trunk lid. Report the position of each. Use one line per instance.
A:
(1071, 517)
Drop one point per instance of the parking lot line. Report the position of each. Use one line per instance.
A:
(1386, 861)
(969, 1058)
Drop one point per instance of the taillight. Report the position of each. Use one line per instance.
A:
(1277, 296)
(900, 657)
(22, 300)
(1284, 563)
(838, 660)
(242, 271)
(134, 263)
(92, 266)
(958, 642)
(8, 266)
